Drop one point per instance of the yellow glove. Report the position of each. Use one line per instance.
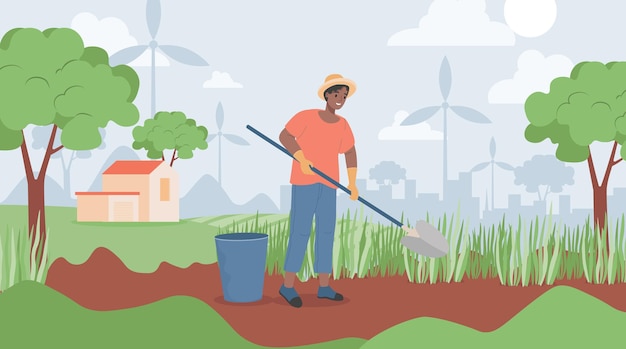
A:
(305, 165)
(354, 191)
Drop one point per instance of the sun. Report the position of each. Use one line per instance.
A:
(530, 18)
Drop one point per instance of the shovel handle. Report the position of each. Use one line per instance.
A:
(325, 176)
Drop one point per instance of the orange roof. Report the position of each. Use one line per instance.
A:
(133, 167)
(107, 193)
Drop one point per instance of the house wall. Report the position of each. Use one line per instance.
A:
(168, 210)
(92, 208)
(131, 183)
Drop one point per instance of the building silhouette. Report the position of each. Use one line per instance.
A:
(413, 206)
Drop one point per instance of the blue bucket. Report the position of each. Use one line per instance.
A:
(241, 259)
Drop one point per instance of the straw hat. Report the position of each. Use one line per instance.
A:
(336, 79)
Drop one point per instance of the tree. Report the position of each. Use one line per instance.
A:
(467, 113)
(50, 78)
(170, 131)
(219, 119)
(544, 172)
(41, 136)
(586, 107)
(387, 172)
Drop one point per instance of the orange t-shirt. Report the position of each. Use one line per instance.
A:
(321, 142)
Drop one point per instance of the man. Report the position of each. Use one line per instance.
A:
(316, 137)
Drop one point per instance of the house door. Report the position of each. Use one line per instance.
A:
(123, 211)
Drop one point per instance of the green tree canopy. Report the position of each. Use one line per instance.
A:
(588, 106)
(50, 78)
(170, 130)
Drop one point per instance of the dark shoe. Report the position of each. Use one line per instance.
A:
(291, 296)
(327, 292)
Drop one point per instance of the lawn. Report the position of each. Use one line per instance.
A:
(142, 246)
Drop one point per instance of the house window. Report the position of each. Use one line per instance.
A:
(165, 189)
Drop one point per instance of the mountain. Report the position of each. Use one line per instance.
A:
(54, 194)
(207, 198)
(120, 153)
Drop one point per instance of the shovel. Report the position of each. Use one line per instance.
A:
(424, 239)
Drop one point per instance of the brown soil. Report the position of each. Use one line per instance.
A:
(370, 306)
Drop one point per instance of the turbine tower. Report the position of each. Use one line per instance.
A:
(467, 113)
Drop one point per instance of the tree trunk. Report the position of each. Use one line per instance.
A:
(36, 213)
(36, 191)
(600, 207)
(174, 158)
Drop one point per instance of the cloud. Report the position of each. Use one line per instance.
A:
(221, 80)
(455, 23)
(417, 132)
(111, 34)
(534, 73)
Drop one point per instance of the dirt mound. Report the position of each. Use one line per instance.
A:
(370, 306)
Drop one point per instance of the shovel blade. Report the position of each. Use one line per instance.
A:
(430, 242)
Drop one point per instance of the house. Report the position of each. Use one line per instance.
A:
(132, 191)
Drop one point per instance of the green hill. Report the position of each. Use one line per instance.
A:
(36, 316)
(563, 317)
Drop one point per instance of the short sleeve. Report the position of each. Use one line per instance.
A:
(347, 139)
(297, 124)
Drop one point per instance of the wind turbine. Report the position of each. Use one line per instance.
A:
(502, 165)
(219, 119)
(467, 113)
(180, 54)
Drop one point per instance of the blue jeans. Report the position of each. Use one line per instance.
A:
(307, 201)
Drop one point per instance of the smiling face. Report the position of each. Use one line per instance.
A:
(336, 96)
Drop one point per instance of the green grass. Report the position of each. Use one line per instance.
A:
(530, 253)
(18, 261)
(562, 317)
(533, 252)
(141, 246)
(36, 316)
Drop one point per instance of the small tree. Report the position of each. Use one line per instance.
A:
(171, 131)
(387, 172)
(51, 78)
(587, 107)
(544, 172)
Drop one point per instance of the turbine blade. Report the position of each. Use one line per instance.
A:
(479, 167)
(445, 78)
(236, 139)
(153, 16)
(210, 137)
(492, 148)
(127, 55)
(183, 55)
(420, 115)
(505, 166)
(470, 114)
(219, 116)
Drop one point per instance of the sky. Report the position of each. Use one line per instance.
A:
(268, 58)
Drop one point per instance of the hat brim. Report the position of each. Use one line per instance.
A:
(340, 81)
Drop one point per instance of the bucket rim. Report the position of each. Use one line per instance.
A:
(251, 236)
